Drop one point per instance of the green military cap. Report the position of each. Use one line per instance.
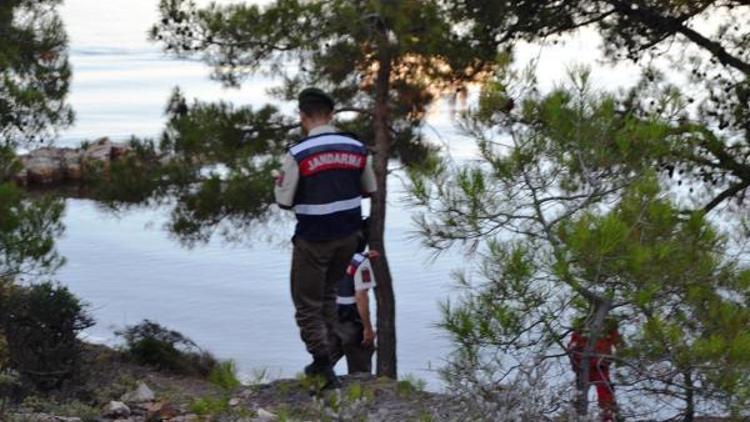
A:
(309, 95)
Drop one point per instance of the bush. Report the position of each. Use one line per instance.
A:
(149, 343)
(41, 324)
(206, 406)
(224, 375)
(65, 409)
(8, 385)
(409, 386)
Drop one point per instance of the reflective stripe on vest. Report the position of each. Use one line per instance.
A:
(329, 208)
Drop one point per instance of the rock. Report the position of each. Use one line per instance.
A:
(43, 417)
(49, 165)
(186, 418)
(246, 394)
(22, 177)
(265, 415)
(101, 151)
(234, 401)
(159, 411)
(44, 166)
(71, 163)
(141, 394)
(119, 151)
(116, 410)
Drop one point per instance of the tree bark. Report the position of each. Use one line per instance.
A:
(386, 314)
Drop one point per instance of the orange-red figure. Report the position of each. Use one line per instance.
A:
(599, 363)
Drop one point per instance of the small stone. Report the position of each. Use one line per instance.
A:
(158, 411)
(116, 409)
(186, 418)
(141, 394)
(42, 417)
(246, 394)
(234, 401)
(265, 415)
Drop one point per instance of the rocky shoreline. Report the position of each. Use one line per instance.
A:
(52, 166)
(361, 398)
(117, 390)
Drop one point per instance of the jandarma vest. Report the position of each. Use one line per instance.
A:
(329, 192)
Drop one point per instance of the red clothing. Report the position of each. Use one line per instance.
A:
(599, 362)
(602, 352)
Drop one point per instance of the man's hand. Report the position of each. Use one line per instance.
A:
(368, 335)
(373, 254)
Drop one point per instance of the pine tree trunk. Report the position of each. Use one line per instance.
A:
(386, 315)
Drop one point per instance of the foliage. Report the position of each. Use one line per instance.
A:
(237, 40)
(34, 79)
(519, 205)
(338, 405)
(34, 71)
(205, 406)
(220, 156)
(409, 385)
(568, 220)
(239, 145)
(74, 408)
(224, 375)
(149, 343)
(702, 46)
(219, 171)
(41, 324)
(28, 228)
(9, 382)
(529, 394)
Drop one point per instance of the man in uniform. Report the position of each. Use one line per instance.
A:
(323, 179)
(354, 329)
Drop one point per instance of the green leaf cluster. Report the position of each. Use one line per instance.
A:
(34, 80)
(34, 71)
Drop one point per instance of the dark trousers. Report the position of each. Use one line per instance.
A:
(316, 268)
(349, 337)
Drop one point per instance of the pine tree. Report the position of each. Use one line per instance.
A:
(34, 80)
(35, 71)
(706, 43)
(569, 220)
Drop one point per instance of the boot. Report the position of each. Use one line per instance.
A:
(321, 366)
(318, 365)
